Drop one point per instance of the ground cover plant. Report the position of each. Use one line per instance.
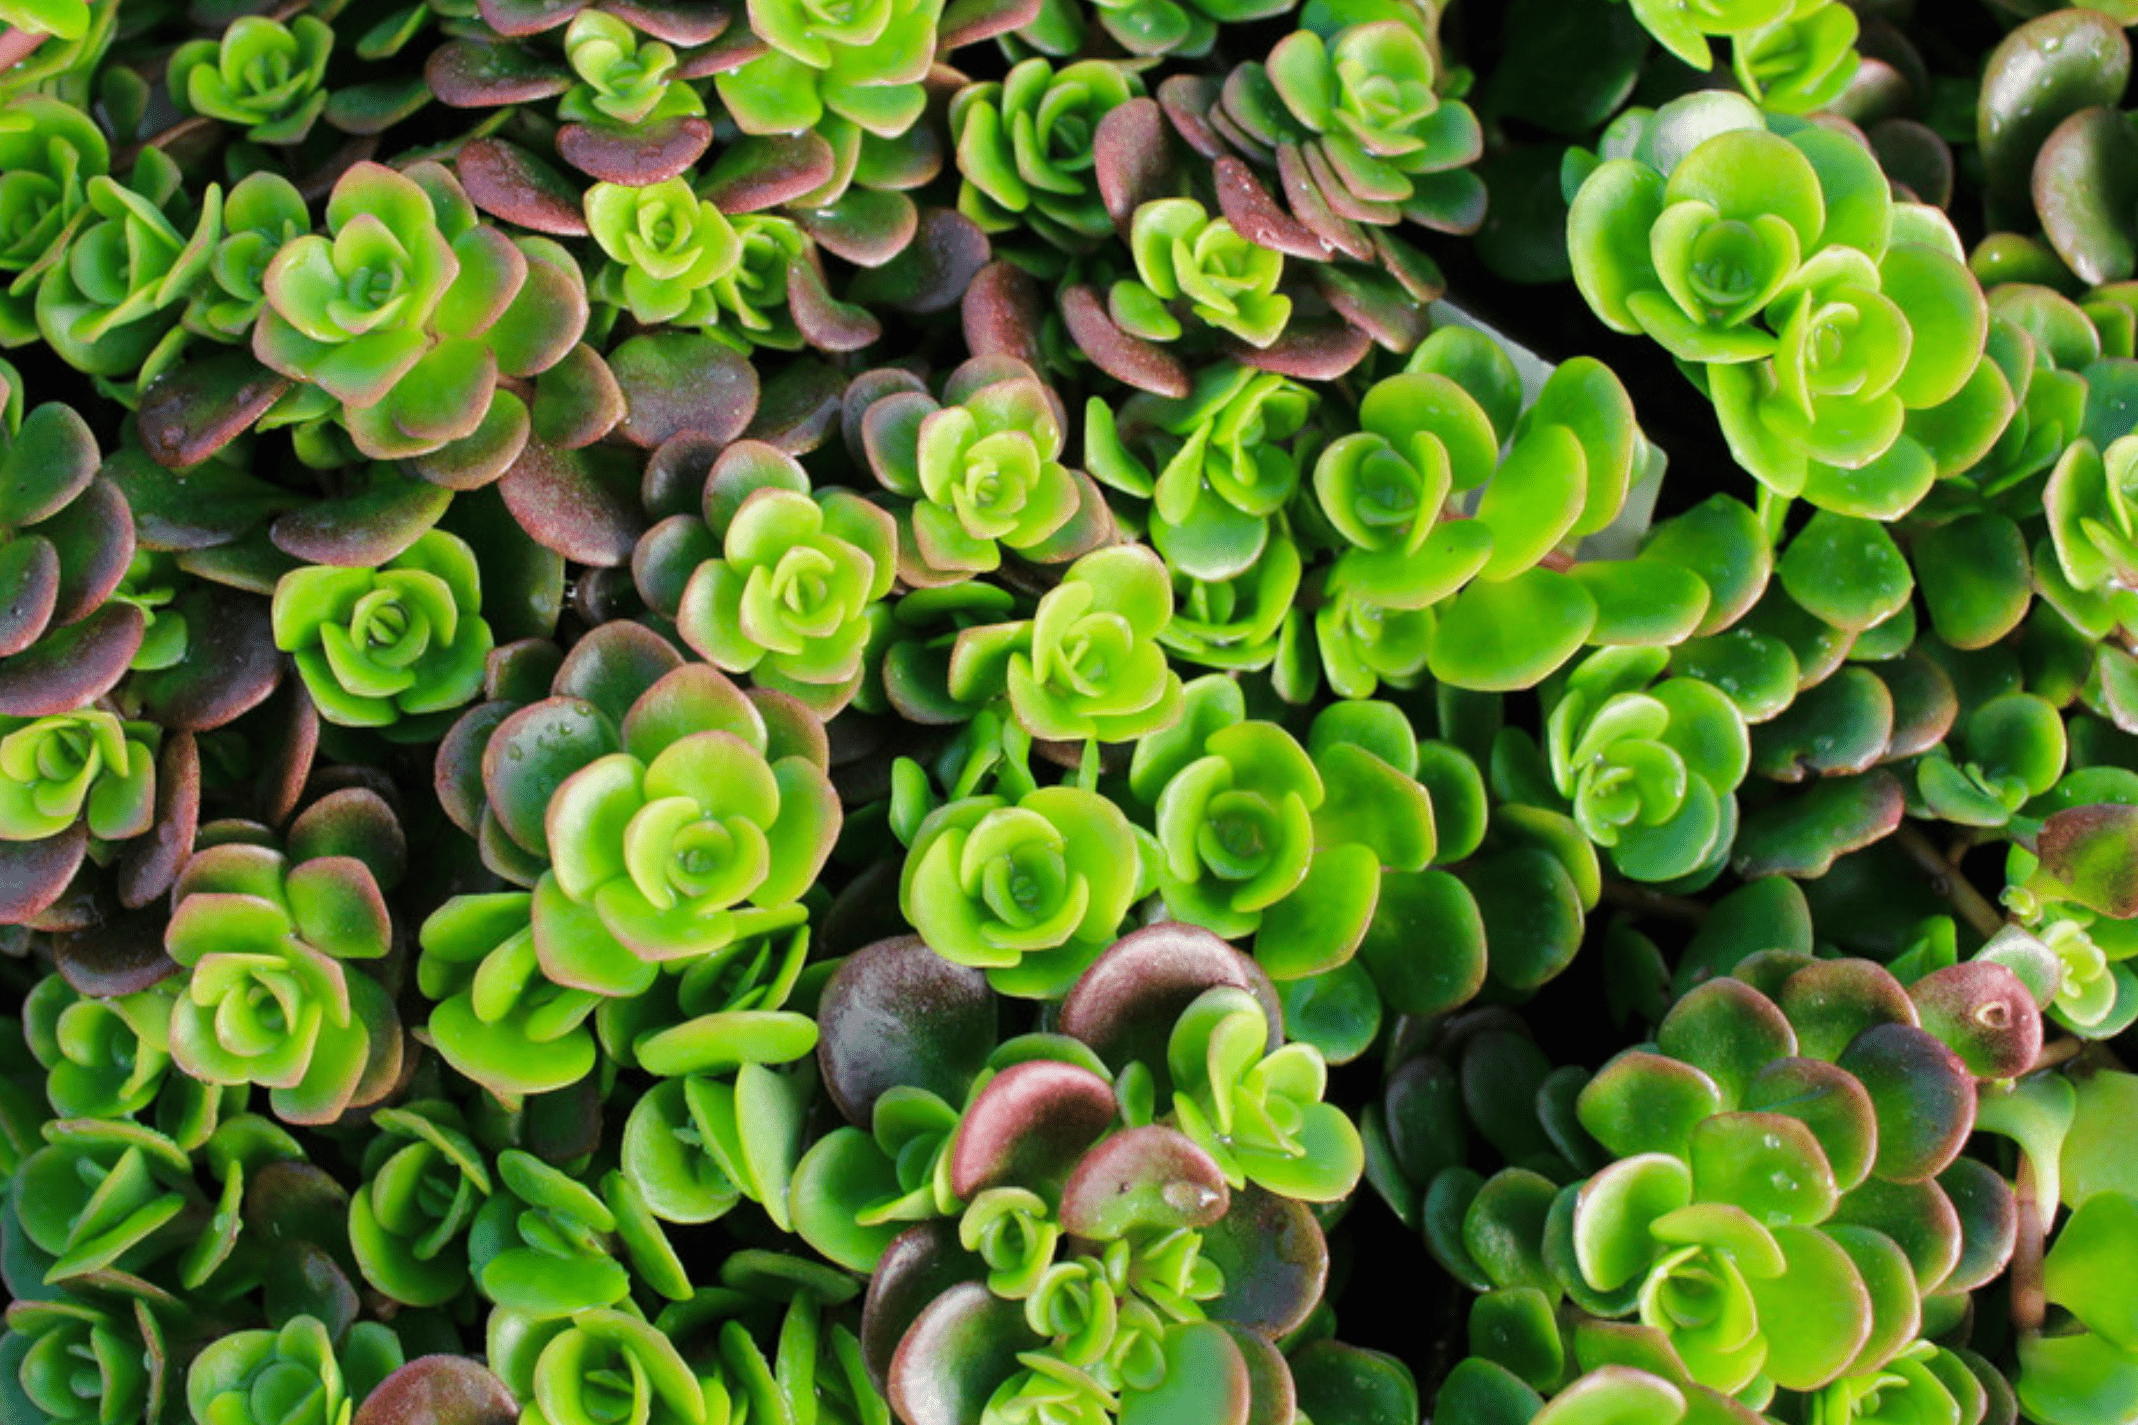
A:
(1057, 712)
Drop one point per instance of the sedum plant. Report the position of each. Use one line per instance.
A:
(264, 75)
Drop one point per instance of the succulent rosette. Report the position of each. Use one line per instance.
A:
(1192, 265)
(296, 1374)
(1088, 664)
(624, 80)
(495, 1017)
(409, 310)
(669, 245)
(545, 1245)
(1801, 61)
(1025, 147)
(262, 214)
(424, 1180)
(87, 767)
(1261, 836)
(850, 65)
(264, 75)
(104, 1058)
(138, 1185)
(1219, 467)
(788, 600)
(983, 471)
(49, 150)
(75, 1362)
(1029, 891)
(268, 936)
(1649, 770)
(1362, 110)
(375, 645)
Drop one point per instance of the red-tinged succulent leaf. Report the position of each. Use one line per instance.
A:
(1275, 1260)
(1889, 1281)
(640, 156)
(679, 381)
(577, 401)
(1802, 835)
(865, 227)
(1922, 1093)
(514, 186)
(1258, 217)
(150, 862)
(1206, 1379)
(1989, 1222)
(483, 457)
(1187, 100)
(1029, 1126)
(1308, 350)
(959, 1348)
(354, 822)
(286, 743)
(2090, 855)
(373, 108)
(581, 503)
(1139, 363)
(967, 22)
(1831, 1103)
(763, 171)
(896, 1013)
(682, 23)
(1142, 1179)
(1371, 301)
(1312, 208)
(194, 508)
(1642, 1102)
(1132, 159)
(1126, 1003)
(234, 671)
(1914, 156)
(1822, 1298)
(517, 19)
(616, 666)
(2085, 190)
(1925, 704)
(29, 566)
(1335, 1381)
(439, 1390)
(800, 407)
(457, 774)
(531, 754)
(362, 530)
(735, 47)
(824, 321)
(1843, 725)
(94, 538)
(120, 956)
(1985, 1014)
(471, 74)
(1830, 1002)
(1272, 1397)
(1001, 313)
(1919, 1216)
(931, 273)
(73, 666)
(1728, 1030)
(920, 1265)
(674, 482)
(50, 461)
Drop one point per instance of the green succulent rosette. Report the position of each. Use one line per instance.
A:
(545, 1245)
(376, 645)
(1191, 265)
(264, 75)
(409, 310)
(1029, 891)
(1259, 835)
(424, 1180)
(88, 766)
(1924, 1381)
(2091, 501)
(2084, 1370)
(1649, 770)
(108, 304)
(76, 1362)
(1218, 466)
(605, 1359)
(49, 150)
(624, 81)
(63, 19)
(1088, 664)
(270, 997)
(844, 67)
(1257, 1110)
(263, 213)
(1236, 624)
(1186, 28)
(1802, 61)
(1685, 26)
(103, 1058)
(1362, 107)
(1025, 148)
(679, 853)
(750, 300)
(97, 1195)
(983, 472)
(788, 601)
(296, 1375)
(494, 1015)
(670, 248)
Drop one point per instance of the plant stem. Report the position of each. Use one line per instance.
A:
(1946, 879)
(2057, 1051)
(17, 46)
(1628, 896)
(2030, 1307)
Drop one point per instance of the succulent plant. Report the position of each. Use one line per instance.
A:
(263, 74)
(1025, 148)
(296, 1374)
(670, 246)
(1190, 264)
(49, 150)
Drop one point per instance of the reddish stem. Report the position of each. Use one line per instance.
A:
(2030, 1306)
